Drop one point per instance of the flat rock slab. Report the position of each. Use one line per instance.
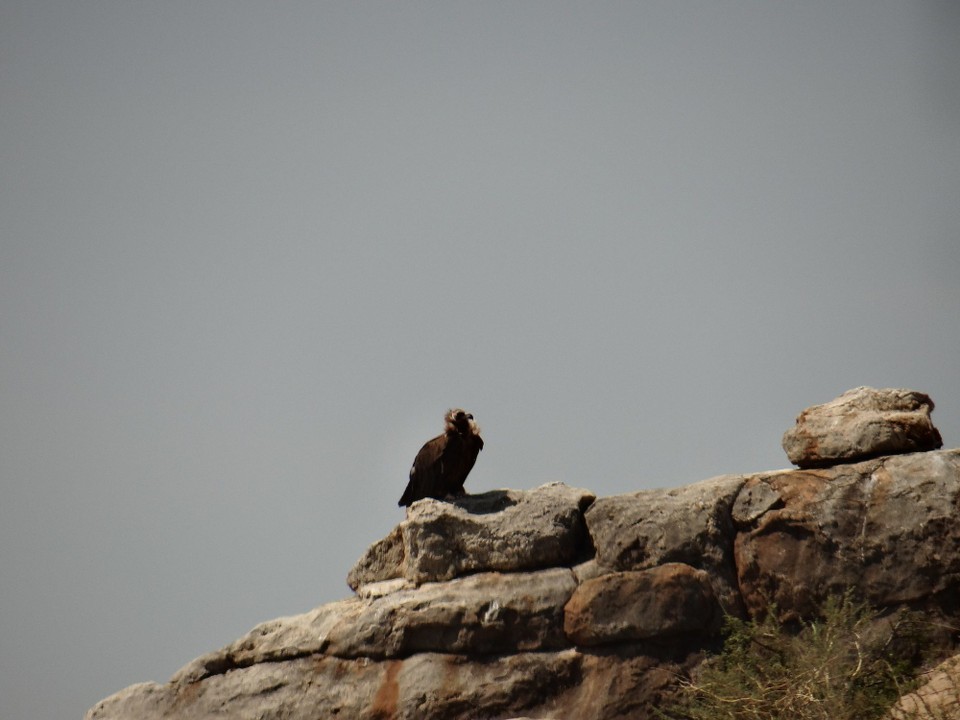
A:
(862, 423)
(424, 687)
(274, 641)
(481, 614)
(502, 530)
(886, 527)
(664, 601)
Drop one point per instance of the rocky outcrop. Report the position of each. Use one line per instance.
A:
(862, 423)
(551, 603)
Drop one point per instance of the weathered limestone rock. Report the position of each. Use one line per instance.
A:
(886, 527)
(664, 601)
(502, 530)
(480, 614)
(938, 698)
(382, 561)
(384, 587)
(689, 525)
(862, 423)
(306, 687)
(275, 641)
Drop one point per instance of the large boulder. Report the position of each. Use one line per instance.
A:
(689, 525)
(502, 530)
(862, 423)
(886, 527)
(664, 601)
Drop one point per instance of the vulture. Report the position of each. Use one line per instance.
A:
(442, 465)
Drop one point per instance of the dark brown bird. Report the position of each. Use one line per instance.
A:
(442, 465)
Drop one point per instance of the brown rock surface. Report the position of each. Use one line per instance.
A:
(862, 423)
(660, 602)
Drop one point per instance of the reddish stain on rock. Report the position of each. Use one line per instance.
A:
(384, 705)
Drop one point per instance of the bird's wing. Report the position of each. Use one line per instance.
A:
(426, 474)
(462, 456)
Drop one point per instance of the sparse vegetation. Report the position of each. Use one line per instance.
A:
(851, 664)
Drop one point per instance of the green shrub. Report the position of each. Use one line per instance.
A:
(849, 665)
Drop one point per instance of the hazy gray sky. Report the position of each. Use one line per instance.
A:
(251, 252)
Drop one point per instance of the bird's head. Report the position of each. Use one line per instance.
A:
(461, 421)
